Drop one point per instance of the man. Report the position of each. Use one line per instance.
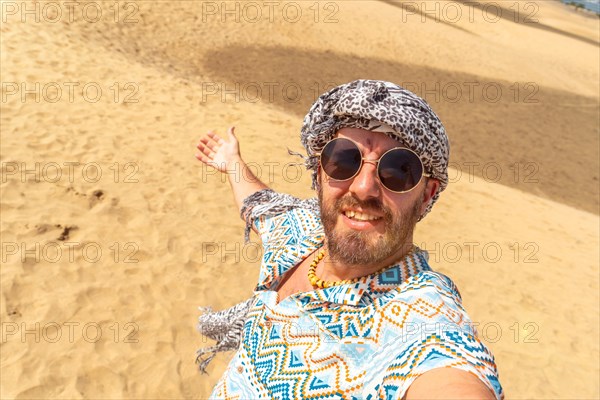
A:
(346, 307)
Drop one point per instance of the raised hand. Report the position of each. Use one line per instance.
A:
(217, 152)
(225, 156)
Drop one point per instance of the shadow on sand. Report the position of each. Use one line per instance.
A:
(537, 139)
(520, 134)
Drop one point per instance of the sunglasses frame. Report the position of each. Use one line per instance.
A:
(376, 162)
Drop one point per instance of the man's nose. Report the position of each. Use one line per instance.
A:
(365, 184)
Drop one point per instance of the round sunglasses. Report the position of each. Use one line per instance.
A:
(399, 169)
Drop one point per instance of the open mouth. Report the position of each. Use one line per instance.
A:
(360, 216)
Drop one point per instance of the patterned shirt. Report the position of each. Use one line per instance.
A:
(365, 340)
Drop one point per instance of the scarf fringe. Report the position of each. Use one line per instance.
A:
(225, 327)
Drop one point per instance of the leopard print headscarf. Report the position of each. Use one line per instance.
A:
(378, 106)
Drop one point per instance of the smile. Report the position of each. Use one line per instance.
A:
(360, 216)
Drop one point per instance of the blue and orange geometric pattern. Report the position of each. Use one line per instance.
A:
(366, 340)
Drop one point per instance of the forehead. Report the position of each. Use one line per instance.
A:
(369, 140)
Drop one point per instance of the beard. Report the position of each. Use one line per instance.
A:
(359, 248)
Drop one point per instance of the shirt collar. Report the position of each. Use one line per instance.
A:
(370, 286)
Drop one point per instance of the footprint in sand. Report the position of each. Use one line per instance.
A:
(40, 229)
(97, 196)
(66, 231)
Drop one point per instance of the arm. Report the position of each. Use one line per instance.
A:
(225, 157)
(448, 383)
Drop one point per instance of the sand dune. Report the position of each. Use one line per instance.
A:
(77, 323)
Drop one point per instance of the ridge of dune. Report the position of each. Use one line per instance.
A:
(476, 41)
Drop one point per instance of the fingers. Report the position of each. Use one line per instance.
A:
(215, 137)
(205, 152)
(210, 143)
(203, 158)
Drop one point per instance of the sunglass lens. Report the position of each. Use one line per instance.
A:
(400, 170)
(340, 159)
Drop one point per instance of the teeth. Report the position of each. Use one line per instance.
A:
(360, 216)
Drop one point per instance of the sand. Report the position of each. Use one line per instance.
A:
(102, 275)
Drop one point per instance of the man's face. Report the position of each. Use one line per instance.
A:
(348, 208)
